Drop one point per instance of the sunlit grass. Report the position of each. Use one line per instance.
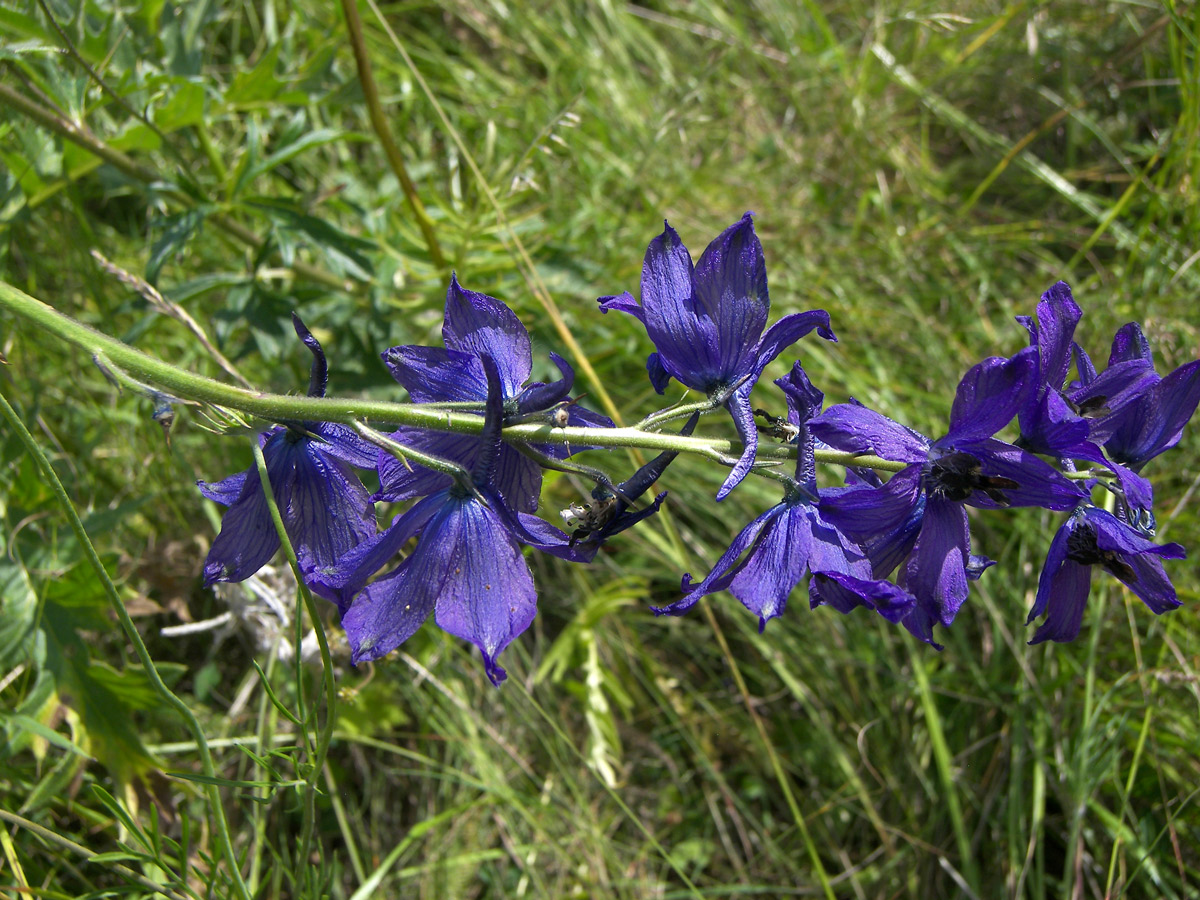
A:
(922, 175)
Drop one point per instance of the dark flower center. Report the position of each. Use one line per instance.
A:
(957, 475)
(1083, 549)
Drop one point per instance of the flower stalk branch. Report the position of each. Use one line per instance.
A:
(280, 407)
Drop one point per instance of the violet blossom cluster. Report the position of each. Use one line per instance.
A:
(901, 546)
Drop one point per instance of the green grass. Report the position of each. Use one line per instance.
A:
(923, 176)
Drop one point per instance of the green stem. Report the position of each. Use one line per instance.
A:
(379, 122)
(325, 737)
(280, 407)
(135, 639)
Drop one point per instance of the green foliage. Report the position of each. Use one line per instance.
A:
(922, 174)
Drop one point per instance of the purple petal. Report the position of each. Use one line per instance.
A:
(1064, 589)
(738, 405)
(345, 444)
(1116, 536)
(856, 429)
(479, 325)
(659, 376)
(248, 538)
(433, 375)
(727, 566)
(687, 341)
(390, 610)
(776, 564)
(1056, 555)
(400, 482)
(539, 396)
(518, 479)
(227, 490)
(324, 506)
(622, 302)
(937, 570)
(1129, 343)
(1171, 403)
(1037, 483)
(989, 396)
(786, 332)
(487, 595)
(730, 284)
(1058, 314)
(846, 592)
(1152, 584)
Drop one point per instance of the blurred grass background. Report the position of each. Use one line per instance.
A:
(922, 173)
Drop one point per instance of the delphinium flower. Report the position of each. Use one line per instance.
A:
(1093, 537)
(774, 552)
(466, 569)
(1149, 418)
(707, 323)
(1072, 422)
(917, 521)
(476, 325)
(325, 508)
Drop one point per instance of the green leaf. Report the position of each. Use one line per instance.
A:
(18, 615)
(345, 252)
(34, 727)
(183, 109)
(177, 231)
(295, 148)
(105, 699)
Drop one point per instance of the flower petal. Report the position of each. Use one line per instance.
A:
(479, 325)
(1034, 482)
(1130, 343)
(1057, 316)
(856, 429)
(730, 285)
(487, 597)
(990, 394)
(539, 396)
(727, 566)
(776, 564)
(390, 610)
(324, 506)
(738, 405)
(622, 302)
(687, 342)
(399, 482)
(343, 443)
(936, 573)
(248, 538)
(1063, 590)
(227, 490)
(436, 375)
(786, 332)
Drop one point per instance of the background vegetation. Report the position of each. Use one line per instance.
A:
(922, 173)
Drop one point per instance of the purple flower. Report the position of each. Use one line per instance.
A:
(476, 325)
(918, 520)
(775, 551)
(1092, 537)
(325, 508)
(467, 568)
(707, 324)
(1147, 417)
